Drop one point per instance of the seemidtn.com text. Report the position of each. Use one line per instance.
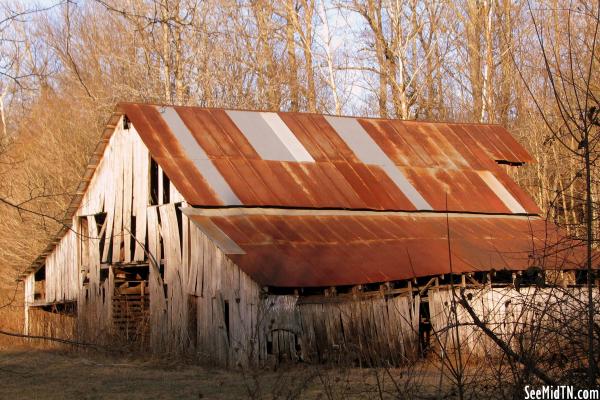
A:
(560, 392)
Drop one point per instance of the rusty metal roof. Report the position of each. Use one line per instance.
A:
(313, 200)
(308, 248)
(219, 157)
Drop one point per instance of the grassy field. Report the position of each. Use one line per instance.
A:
(36, 374)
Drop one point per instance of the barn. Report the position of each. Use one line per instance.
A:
(242, 236)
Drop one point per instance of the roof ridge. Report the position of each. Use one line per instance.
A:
(428, 121)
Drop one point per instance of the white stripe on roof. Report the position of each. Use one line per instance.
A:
(198, 156)
(500, 191)
(269, 136)
(287, 137)
(406, 187)
(365, 148)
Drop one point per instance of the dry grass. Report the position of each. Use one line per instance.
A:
(37, 374)
(11, 317)
(29, 374)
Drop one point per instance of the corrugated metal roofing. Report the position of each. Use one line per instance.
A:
(219, 157)
(342, 182)
(308, 248)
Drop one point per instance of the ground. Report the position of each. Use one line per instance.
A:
(35, 374)
(27, 373)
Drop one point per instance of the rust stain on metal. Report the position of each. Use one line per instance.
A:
(293, 250)
(167, 152)
(439, 160)
(442, 161)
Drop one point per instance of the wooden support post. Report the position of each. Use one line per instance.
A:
(384, 288)
(432, 281)
(474, 281)
(142, 294)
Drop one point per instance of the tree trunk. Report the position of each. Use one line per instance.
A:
(290, 31)
(474, 56)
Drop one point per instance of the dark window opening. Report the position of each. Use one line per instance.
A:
(179, 223)
(40, 274)
(450, 279)
(110, 249)
(153, 182)
(133, 242)
(483, 277)
(581, 277)
(103, 273)
(162, 249)
(66, 308)
(166, 195)
(84, 248)
(510, 163)
(146, 246)
(100, 220)
(193, 319)
(131, 273)
(39, 288)
(424, 309)
(503, 276)
(425, 327)
(161, 246)
(226, 316)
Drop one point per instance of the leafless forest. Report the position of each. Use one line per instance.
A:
(532, 66)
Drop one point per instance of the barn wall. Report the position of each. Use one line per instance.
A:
(211, 306)
(374, 329)
(556, 313)
(369, 331)
(199, 301)
(62, 275)
(366, 330)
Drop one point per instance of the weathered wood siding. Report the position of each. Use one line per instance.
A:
(513, 315)
(201, 302)
(367, 331)
(62, 274)
(211, 306)
(29, 296)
